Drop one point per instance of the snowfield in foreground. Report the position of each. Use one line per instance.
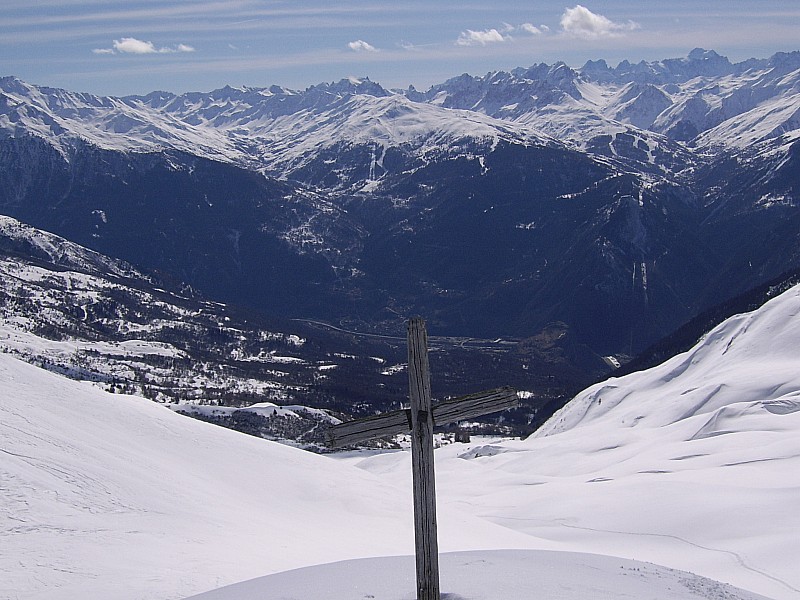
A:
(107, 496)
(487, 575)
(694, 465)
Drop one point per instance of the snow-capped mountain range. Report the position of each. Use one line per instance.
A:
(702, 99)
(643, 192)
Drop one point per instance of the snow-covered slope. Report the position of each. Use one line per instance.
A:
(19, 238)
(750, 360)
(487, 575)
(694, 464)
(108, 496)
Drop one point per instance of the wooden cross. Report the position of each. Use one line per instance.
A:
(420, 420)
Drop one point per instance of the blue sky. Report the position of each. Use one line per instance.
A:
(119, 47)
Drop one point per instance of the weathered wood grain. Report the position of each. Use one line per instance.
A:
(420, 420)
(382, 425)
(399, 421)
(474, 405)
(425, 535)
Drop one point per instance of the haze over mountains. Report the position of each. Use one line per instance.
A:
(608, 205)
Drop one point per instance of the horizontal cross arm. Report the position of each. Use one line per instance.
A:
(449, 411)
(475, 405)
(368, 428)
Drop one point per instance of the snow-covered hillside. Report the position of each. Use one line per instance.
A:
(109, 496)
(96, 318)
(487, 575)
(694, 464)
(20, 238)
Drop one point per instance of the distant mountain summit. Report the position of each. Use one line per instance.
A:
(608, 203)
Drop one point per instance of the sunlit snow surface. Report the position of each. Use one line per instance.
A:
(693, 465)
(487, 575)
(106, 496)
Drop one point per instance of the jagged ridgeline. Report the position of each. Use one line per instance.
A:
(582, 213)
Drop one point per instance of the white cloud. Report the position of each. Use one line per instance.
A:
(531, 28)
(361, 46)
(129, 45)
(474, 38)
(492, 36)
(134, 46)
(583, 23)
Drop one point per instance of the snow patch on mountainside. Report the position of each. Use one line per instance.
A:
(18, 236)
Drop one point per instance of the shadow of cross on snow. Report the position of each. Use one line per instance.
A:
(419, 420)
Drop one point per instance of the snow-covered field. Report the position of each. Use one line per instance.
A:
(693, 465)
(487, 575)
(107, 496)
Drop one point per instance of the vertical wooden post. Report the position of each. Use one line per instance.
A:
(419, 385)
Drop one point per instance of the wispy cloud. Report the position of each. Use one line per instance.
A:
(361, 46)
(129, 45)
(580, 22)
(533, 29)
(480, 38)
(498, 35)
